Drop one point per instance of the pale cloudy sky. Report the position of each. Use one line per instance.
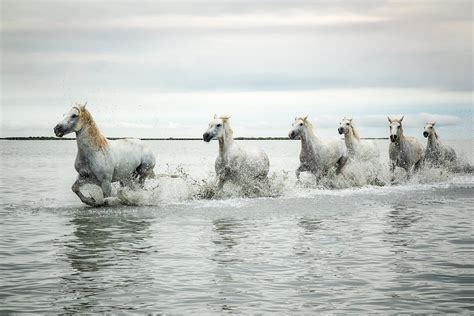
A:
(160, 69)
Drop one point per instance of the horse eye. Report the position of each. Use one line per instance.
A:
(219, 125)
(301, 124)
(74, 115)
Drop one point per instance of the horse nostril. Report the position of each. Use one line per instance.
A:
(58, 130)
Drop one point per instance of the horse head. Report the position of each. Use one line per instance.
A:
(396, 129)
(345, 126)
(217, 128)
(72, 121)
(429, 129)
(298, 127)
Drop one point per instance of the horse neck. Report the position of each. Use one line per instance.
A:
(89, 138)
(350, 140)
(226, 140)
(309, 140)
(402, 141)
(433, 141)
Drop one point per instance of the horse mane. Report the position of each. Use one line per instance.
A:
(96, 137)
(354, 132)
(306, 122)
(434, 130)
(228, 129)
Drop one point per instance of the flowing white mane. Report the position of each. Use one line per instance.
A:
(306, 122)
(355, 133)
(86, 120)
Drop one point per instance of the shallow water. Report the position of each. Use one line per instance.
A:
(407, 247)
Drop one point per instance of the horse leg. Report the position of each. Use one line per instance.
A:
(341, 163)
(144, 172)
(106, 187)
(418, 165)
(392, 171)
(220, 182)
(76, 188)
(299, 170)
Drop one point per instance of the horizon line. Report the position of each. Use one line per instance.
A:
(155, 138)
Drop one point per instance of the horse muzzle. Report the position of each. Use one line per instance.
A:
(393, 138)
(58, 131)
(425, 134)
(291, 135)
(340, 130)
(206, 137)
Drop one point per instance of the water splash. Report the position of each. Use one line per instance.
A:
(178, 186)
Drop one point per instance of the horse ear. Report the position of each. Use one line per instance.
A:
(215, 115)
(434, 123)
(401, 119)
(350, 120)
(305, 118)
(389, 119)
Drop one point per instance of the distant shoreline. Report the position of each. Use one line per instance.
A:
(157, 138)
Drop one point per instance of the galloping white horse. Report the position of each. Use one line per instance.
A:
(405, 152)
(356, 148)
(234, 162)
(317, 156)
(437, 153)
(100, 161)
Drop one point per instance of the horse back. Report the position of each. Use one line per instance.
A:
(415, 147)
(128, 154)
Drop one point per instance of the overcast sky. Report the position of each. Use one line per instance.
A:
(161, 69)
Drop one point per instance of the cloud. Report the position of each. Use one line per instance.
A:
(160, 22)
(163, 68)
(208, 45)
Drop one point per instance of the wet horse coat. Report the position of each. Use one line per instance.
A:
(356, 148)
(101, 161)
(437, 153)
(235, 163)
(317, 156)
(404, 152)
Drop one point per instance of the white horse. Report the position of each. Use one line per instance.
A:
(100, 161)
(235, 163)
(317, 156)
(356, 148)
(405, 152)
(437, 153)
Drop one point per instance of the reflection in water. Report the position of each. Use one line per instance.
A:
(310, 225)
(103, 246)
(310, 228)
(400, 220)
(308, 249)
(229, 233)
(402, 216)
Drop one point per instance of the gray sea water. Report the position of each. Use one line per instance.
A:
(341, 246)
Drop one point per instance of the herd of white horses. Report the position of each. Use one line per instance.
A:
(101, 162)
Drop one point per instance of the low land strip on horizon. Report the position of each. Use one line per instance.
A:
(156, 138)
